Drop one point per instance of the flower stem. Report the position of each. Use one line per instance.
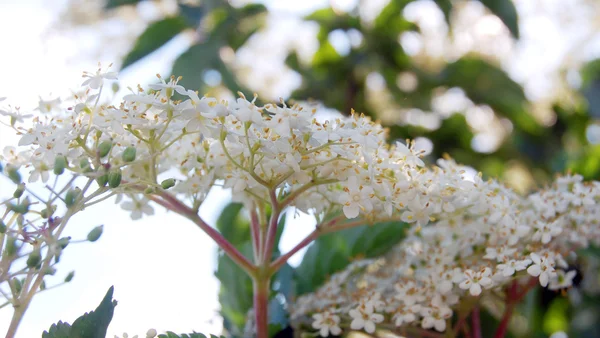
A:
(261, 305)
(511, 299)
(476, 322)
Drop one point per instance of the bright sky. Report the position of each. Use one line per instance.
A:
(162, 267)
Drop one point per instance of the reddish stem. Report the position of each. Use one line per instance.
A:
(228, 248)
(257, 237)
(476, 322)
(511, 300)
(272, 229)
(261, 306)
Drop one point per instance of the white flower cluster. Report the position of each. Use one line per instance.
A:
(466, 236)
(493, 239)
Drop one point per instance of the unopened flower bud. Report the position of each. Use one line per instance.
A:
(168, 183)
(2, 227)
(129, 154)
(85, 166)
(19, 191)
(35, 257)
(49, 271)
(49, 211)
(149, 190)
(60, 163)
(102, 180)
(11, 248)
(13, 174)
(114, 178)
(151, 333)
(104, 148)
(21, 208)
(95, 234)
(17, 285)
(72, 197)
(70, 276)
(63, 242)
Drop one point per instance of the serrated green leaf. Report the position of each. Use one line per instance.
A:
(155, 36)
(333, 252)
(95, 323)
(58, 330)
(506, 11)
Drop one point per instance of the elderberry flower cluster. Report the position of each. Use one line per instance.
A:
(465, 236)
(493, 239)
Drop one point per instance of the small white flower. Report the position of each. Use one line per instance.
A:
(364, 317)
(435, 317)
(542, 267)
(476, 280)
(562, 280)
(327, 323)
(138, 208)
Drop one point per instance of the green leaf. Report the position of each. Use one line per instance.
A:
(333, 252)
(506, 11)
(485, 83)
(155, 36)
(232, 226)
(117, 3)
(58, 330)
(91, 325)
(446, 7)
(193, 63)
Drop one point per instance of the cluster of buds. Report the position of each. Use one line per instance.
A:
(31, 242)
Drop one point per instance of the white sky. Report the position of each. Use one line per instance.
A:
(162, 267)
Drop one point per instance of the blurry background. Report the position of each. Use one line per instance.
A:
(509, 87)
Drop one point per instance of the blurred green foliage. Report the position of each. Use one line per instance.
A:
(339, 80)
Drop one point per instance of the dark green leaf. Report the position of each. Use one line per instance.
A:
(117, 3)
(487, 84)
(192, 13)
(333, 252)
(91, 325)
(155, 36)
(58, 330)
(232, 226)
(446, 7)
(506, 11)
(95, 323)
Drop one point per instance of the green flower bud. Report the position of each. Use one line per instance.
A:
(2, 227)
(129, 154)
(49, 211)
(34, 258)
(85, 166)
(70, 276)
(49, 271)
(102, 180)
(12, 248)
(21, 208)
(104, 148)
(43, 285)
(72, 197)
(63, 242)
(168, 183)
(19, 191)
(114, 178)
(14, 175)
(60, 163)
(149, 190)
(95, 233)
(17, 285)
